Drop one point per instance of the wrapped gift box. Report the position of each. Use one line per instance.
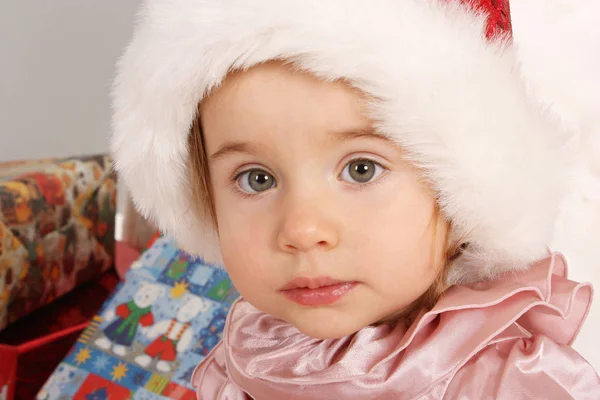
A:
(140, 345)
(31, 348)
(57, 242)
(57, 220)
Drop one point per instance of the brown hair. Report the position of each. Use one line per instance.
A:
(202, 191)
(201, 188)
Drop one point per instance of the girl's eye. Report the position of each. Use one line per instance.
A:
(361, 171)
(255, 181)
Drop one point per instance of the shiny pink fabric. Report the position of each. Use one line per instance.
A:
(506, 339)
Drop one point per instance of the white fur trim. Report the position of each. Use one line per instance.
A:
(558, 44)
(454, 100)
(558, 47)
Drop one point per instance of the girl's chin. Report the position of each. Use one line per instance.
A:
(326, 334)
(327, 328)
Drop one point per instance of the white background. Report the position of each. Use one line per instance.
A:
(56, 65)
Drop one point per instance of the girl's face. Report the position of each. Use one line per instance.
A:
(321, 222)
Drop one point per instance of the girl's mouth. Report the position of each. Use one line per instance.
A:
(318, 291)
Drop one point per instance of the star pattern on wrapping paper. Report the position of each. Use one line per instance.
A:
(119, 372)
(82, 356)
(101, 362)
(179, 289)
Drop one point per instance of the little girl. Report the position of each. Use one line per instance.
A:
(379, 185)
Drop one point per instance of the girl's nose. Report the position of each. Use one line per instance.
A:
(306, 226)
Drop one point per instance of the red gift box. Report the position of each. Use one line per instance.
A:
(31, 348)
(26, 367)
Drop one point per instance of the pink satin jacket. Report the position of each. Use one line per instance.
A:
(505, 339)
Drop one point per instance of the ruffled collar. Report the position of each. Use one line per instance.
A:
(269, 357)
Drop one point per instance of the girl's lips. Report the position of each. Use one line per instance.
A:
(319, 296)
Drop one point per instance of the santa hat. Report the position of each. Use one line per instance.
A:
(445, 85)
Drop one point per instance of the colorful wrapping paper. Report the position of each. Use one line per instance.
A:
(151, 333)
(57, 221)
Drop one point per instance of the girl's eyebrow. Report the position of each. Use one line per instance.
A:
(229, 148)
(369, 133)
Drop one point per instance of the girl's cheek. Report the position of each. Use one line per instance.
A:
(243, 238)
